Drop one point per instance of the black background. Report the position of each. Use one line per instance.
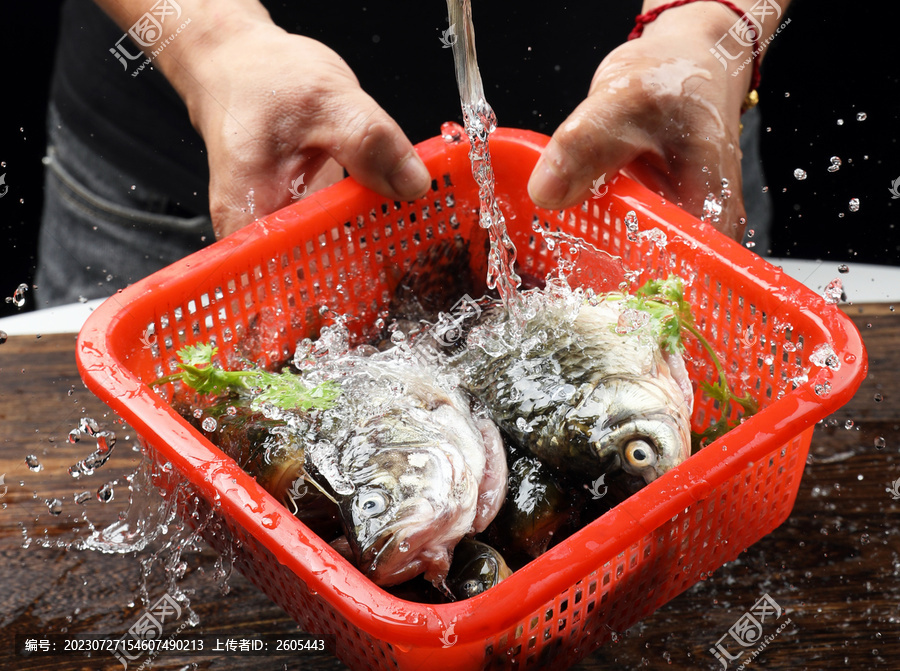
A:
(833, 61)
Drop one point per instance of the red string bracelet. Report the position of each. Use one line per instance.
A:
(643, 19)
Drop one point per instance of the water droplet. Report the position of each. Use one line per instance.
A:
(54, 506)
(631, 221)
(712, 209)
(133, 187)
(231, 411)
(197, 413)
(840, 122)
(209, 424)
(843, 268)
(823, 356)
(452, 132)
(18, 297)
(3, 337)
(879, 398)
(864, 539)
(861, 116)
(880, 443)
(833, 292)
(848, 424)
(403, 547)
(33, 463)
(854, 205)
(800, 174)
(823, 389)
(82, 497)
(835, 164)
(106, 494)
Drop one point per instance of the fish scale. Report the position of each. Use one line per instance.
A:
(584, 392)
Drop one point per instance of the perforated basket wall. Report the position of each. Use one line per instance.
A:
(259, 291)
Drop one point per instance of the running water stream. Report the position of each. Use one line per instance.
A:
(480, 121)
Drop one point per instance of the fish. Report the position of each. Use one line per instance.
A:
(579, 386)
(539, 510)
(413, 467)
(476, 568)
(410, 463)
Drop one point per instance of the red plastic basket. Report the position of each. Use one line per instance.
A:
(260, 290)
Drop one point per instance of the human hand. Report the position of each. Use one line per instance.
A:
(663, 111)
(272, 106)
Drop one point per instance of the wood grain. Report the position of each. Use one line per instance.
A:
(833, 566)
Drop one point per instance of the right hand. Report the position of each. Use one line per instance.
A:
(272, 106)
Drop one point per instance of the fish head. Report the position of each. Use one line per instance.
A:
(413, 499)
(632, 426)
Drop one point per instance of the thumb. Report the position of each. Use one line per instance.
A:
(375, 151)
(595, 140)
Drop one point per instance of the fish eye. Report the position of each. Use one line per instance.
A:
(372, 502)
(640, 454)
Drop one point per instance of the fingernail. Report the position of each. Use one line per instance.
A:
(411, 179)
(546, 188)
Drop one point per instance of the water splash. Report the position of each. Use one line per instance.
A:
(106, 442)
(833, 292)
(800, 174)
(835, 164)
(854, 205)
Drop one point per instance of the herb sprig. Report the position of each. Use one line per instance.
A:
(670, 319)
(284, 390)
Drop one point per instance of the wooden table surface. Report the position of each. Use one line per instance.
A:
(833, 566)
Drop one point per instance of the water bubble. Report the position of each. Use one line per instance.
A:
(105, 493)
(33, 463)
(835, 164)
(854, 205)
(197, 413)
(843, 268)
(800, 174)
(54, 506)
(209, 424)
(861, 116)
(833, 292)
(82, 497)
(880, 443)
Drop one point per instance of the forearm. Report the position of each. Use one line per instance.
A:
(731, 36)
